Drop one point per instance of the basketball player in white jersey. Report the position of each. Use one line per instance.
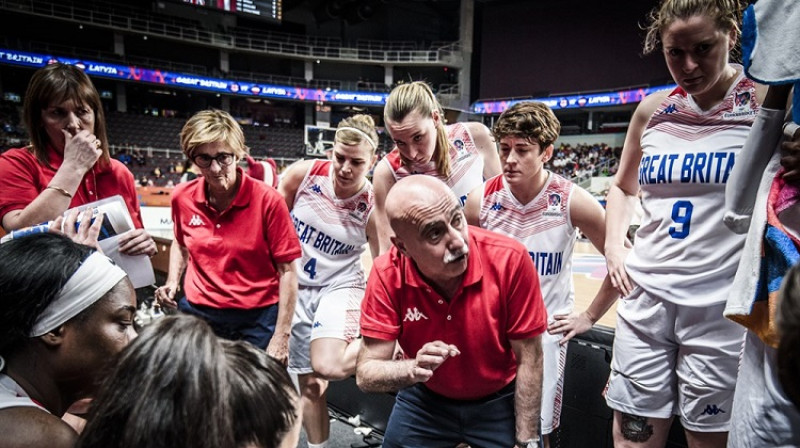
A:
(461, 154)
(674, 353)
(331, 204)
(543, 211)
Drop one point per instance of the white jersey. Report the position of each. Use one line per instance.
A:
(466, 163)
(13, 396)
(683, 253)
(545, 228)
(332, 231)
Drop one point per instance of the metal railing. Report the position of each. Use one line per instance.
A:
(121, 18)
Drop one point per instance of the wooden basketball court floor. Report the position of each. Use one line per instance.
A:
(588, 271)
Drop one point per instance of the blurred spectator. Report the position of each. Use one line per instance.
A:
(139, 157)
(189, 172)
(584, 161)
(124, 157)
(265, 170)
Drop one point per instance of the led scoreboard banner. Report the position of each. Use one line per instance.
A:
(214, 85)
(573, 101)
(267, 9)
(274, 91)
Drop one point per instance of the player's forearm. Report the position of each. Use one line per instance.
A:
(178, 258)
(50, 203)
(286, 301)
(619, 210)
(528, 402)
(384, 232)
(602, 302)
(528, 392)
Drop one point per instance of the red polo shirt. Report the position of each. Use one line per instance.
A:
(232, 254)
(22, 178)
(499, 300)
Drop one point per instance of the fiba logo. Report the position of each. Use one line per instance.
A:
(360, 211)
(742, 99)
(742, 105)
(553, 206)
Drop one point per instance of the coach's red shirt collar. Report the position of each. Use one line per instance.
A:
(472, 275)
(242, 198)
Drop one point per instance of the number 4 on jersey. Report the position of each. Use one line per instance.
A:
(682, 217)
(311, 268)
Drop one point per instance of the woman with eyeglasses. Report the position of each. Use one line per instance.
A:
(235, 240)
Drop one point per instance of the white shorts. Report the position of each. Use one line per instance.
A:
(762, 415)
(674, 360)
(554, 361)
(331, 311)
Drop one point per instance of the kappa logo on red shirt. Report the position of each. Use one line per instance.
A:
(196, 221)
(414, 315)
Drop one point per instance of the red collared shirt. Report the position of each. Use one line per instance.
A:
(232, 254)
(499, 300)
(23, 178)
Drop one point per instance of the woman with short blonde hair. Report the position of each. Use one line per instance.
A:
(235, 240)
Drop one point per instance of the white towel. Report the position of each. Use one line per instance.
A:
(771, 41)
(771, 50)
(761, 146)
(771, 44)
(744, 284)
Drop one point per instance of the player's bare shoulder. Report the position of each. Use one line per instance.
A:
(648, 106)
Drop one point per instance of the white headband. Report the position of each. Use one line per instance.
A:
(95, 277)
(358, 131)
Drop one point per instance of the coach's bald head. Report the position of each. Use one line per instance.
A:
(429, 226)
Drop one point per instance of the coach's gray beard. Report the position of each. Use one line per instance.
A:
(450, 257)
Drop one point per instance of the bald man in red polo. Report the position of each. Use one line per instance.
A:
(465, 305)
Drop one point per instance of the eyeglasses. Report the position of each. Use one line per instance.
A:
(204, 161)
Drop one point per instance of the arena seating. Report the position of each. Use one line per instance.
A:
(163, 133)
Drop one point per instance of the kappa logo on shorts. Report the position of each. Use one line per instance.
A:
(196, 221)
(712, 409)
(413, 315)
(317, 324)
